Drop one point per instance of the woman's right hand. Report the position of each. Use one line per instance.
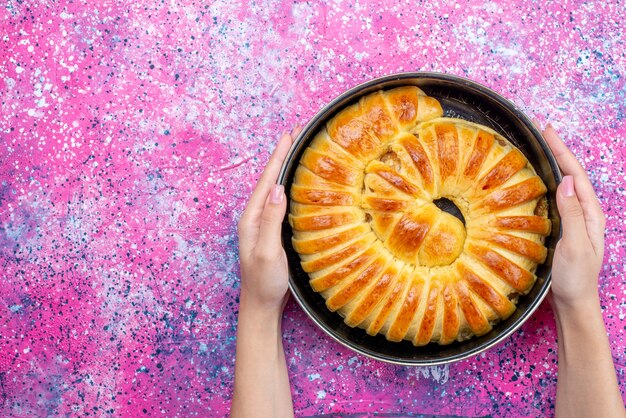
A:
(579, 253)
(587, 385)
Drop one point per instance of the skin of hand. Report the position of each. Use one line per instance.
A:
(587, 385)
(580, 251)
(261, 378)
(264, 270)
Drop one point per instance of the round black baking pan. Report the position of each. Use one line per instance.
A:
(460, 98)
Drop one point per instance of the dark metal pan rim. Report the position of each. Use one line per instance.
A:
(394, 80)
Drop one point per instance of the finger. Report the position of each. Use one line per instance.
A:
(572, 217)
(570, 166)
(270, 173)
(566, 159)
(595, 220)
(272, 219)
(267, 180)
(537, 124)
(592, 210)
(285, 300)
(296, 131)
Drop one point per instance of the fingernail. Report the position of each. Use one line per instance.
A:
(568, 186)
(277, 194)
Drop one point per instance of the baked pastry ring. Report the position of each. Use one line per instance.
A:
(367, 224)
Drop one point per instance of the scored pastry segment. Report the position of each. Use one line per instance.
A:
(410, 231)
(324, 259)
(410, 105)
(373, 296)
(522, 246)
(394, 179)
(390, 314)
(427, 138)
(475, 318)
(429, 328)
(330, 168)
(393, 298)
(351, 131)
(323, 197)
(503, 170)
(371, 202)
(529, 223)
(525, 191)
(313, 218)
(327, 278)
(450, 318)
(491, 290)
(519, 278)
(467, 139)
(323, 221)
(325, 145)
(376, 114)
(414, 149)
(406, 311)
(482, 145)
(403, 103)
(309, 242)
(447, 150)
(350, 288)
(367, 222)
(313, 180)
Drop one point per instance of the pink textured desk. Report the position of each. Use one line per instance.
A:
(131, 136)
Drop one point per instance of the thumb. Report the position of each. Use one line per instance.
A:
(272, 219)
(572, 216)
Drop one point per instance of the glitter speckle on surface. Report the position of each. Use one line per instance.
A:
(132, 134)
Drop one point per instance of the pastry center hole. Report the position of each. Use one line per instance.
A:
(448, 206)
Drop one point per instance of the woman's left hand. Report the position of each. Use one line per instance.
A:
(264, 270)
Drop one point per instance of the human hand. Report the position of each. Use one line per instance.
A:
(264, 270)
(579, 253)
(587, 385)
(261, 379)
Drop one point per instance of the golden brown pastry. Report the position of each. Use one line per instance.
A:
(379, 249)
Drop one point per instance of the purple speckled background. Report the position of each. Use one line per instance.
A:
(132, 133)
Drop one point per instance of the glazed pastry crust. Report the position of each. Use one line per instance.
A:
(378, 248)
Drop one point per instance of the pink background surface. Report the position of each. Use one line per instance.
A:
(131, 135)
